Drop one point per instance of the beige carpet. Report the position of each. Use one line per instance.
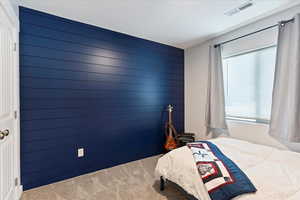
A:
(131, 181)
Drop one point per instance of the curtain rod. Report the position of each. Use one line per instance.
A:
(260, 30)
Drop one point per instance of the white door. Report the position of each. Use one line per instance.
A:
(7, 119)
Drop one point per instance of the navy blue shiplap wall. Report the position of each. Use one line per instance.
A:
(84, 86)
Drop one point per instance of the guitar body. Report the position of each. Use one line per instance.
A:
(170, 143)
(170, 132)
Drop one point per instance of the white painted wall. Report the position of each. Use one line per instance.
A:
(15, 4)
(196, 72)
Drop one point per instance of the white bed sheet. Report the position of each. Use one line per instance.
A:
(275, 173)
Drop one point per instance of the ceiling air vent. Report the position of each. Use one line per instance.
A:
(239, 9)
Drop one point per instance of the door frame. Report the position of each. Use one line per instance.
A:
(10, 7)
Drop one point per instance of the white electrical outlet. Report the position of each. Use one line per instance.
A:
(80, 152)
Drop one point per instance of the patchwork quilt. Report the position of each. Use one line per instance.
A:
(223, 179)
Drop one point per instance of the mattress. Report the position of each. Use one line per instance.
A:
(275, 173)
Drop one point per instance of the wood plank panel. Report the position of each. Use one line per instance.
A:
(88, 87)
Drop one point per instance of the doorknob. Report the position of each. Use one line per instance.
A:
(5, 132)
(1, 136)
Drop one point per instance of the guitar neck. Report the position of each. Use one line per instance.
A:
(170, 117)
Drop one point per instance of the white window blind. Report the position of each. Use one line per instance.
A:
(248, 84)
(253, 42)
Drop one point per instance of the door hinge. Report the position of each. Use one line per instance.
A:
(15, 46)
(16, 181)
(16, 114)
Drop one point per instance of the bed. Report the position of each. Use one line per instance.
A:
(275, 173)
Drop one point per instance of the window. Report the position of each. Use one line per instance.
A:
(248, 84)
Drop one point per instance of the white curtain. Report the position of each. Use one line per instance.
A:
(285, 114)
(215, 108)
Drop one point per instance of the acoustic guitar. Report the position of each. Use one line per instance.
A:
(170, 132)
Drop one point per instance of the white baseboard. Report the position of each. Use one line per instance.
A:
(19, 191)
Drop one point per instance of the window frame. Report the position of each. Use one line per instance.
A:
(247, 119)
